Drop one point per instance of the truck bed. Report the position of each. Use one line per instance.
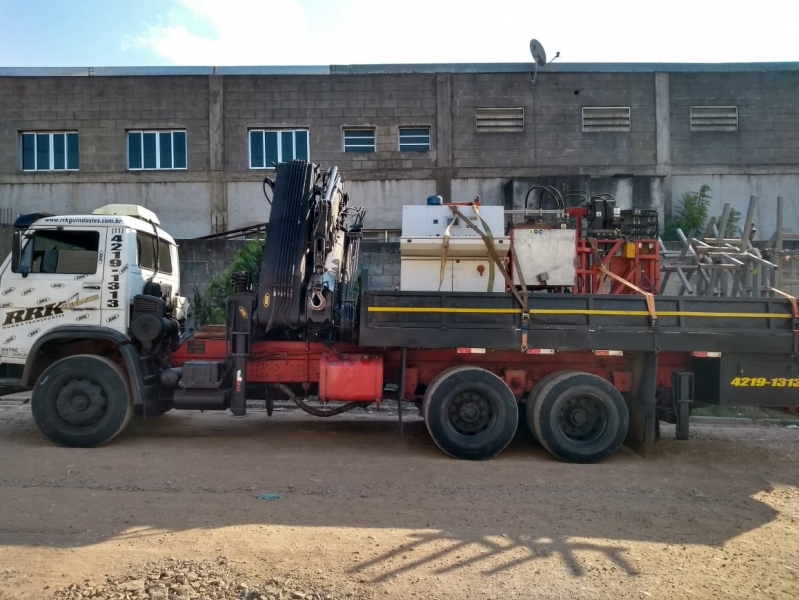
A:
(576, 322)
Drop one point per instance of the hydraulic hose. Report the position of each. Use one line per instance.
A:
(317, 412)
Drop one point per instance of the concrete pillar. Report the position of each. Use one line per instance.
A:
(216, 144)
(444, 136)
(663, 138)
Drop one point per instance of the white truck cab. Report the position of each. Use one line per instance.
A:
(69, 273)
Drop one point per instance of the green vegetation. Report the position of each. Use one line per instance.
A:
(209, 307)
(733, 229)
(747, 412)
(691, 215)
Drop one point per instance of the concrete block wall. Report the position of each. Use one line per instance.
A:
(768, 119)
(6, 233)
(102, 109)
(326, 106)
(553, 133)
(201, 260)
(218, 191)
(383, 261)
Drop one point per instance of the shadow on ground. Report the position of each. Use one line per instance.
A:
(192, 471)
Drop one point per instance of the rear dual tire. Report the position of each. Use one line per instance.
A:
(577, 417)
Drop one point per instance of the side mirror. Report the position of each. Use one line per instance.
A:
(19, 264)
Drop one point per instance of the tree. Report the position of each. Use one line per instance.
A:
(209, 308)
(733, 230)
(691, 213)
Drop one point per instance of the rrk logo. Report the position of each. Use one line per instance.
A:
(24, 315)
(34, 332)
(56, 286)
(6, 292)
(43, 301)
(112, 318)
(83, 316)
(8, 340)
(26, 292)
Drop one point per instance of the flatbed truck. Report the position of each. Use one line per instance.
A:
(93, 323)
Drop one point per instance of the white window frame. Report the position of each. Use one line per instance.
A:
(278, 131)
(157, 133)
(374, 140)
(427, 146)
(51, 139)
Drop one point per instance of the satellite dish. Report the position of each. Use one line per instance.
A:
(537, 50)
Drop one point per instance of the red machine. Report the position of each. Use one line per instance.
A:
(593, 248)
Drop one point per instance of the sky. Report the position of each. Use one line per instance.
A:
(100, 33)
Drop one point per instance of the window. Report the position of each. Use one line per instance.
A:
(359, 140)
(414, 139)
(269, 147)
(714, 118)
(606, 118)
(499, 120)
(50, 151)
(156, 150)
(145, 250)
(67, 252)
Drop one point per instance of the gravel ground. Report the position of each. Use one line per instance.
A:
(297, 507)
(190, 579)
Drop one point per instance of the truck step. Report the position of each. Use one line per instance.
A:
(202, 386)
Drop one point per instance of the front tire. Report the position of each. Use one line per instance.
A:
(470, 413)
(579, 417)
(82, 401)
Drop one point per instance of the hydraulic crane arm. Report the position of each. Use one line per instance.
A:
(310, 256)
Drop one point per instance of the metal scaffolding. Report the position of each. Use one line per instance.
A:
(711, 265)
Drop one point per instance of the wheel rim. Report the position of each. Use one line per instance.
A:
(81, 402)
(471, 413)
(583, 419)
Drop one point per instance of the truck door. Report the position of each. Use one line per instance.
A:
(62, 288)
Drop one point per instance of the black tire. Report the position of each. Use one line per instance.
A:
(470, 413)
(82, 401)
(579, 417)
(534, 393)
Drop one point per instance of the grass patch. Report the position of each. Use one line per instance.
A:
(746, 412)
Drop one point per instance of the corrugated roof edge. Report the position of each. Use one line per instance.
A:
(560, 67)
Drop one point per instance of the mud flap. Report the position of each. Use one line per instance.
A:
(641, 402)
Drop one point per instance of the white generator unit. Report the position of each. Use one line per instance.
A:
(467, 264)
(544, 256)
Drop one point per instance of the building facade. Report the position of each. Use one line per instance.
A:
(194, 144)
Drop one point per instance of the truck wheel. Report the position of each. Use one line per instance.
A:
(534, 393)
(82, 401)
(579, 417)
(470, 413)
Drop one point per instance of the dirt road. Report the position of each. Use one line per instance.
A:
(362, 512)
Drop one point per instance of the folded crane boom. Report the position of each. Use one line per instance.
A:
(310, 255)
